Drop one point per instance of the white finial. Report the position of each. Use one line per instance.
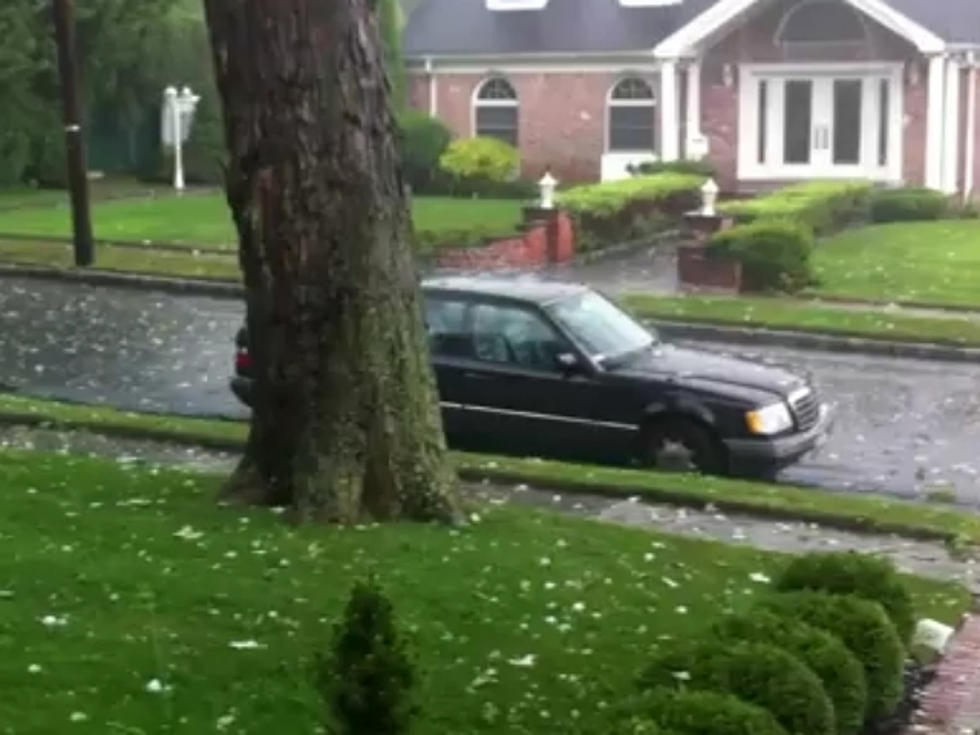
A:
(709, 197)
(548, 184)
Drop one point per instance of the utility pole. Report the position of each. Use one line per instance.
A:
(64, 25)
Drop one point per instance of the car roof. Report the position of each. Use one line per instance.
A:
(524, 289)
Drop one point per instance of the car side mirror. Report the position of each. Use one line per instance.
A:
(568, 362)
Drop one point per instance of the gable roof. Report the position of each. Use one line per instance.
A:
(955, 21)
(468, 28)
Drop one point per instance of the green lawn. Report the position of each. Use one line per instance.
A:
(203, 219)
(783, 501)
(807, 316)
(127, 260)
(131, 603)
(929, 262)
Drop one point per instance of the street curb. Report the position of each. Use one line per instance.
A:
(474, 474)
(756, 336)
(180, 286)
(907, 304)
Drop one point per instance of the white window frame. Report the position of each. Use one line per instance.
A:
(650, 103)
(749, 167)
(477, 102)
(778, 39)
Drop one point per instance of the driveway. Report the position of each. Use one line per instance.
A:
(905, 427)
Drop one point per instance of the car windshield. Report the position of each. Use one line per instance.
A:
(600, 326)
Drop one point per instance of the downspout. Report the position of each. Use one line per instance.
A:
(971, 127)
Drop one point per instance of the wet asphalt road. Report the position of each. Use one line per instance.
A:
(904, 427)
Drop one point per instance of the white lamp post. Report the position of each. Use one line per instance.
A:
(178, 116)
(548, 184)
(709, 197)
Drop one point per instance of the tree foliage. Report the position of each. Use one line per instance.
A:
(120, 73)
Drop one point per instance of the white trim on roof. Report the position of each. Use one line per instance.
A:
(684, 41)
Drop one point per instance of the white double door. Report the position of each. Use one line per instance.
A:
(823, 122)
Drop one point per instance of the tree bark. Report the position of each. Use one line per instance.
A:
(345, 422)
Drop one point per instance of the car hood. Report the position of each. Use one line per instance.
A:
(708, 369)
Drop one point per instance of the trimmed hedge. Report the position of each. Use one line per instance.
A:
(849, 573)
(775, 256)
(702, 713)
(821, 205)
(479, 163)
(683, 166)
(865, 629)
(619, 211)
(841, 673)
(908, 204)
(760, 674)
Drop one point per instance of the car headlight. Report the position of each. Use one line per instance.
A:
(769, 420)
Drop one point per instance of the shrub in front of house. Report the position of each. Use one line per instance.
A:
(485, 167)
(620, 211)
(760, 674)
(423, 141)
(367, 680)
(824, 206)
(849, 573)
(863, 627)
(775, 255)
(839, 670)
(908, 204)
(694, 712)
(682, 166)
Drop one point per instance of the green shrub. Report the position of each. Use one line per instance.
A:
(757, 673)
(849, 573)
(367, 681)
(824, 206)
(775, 256)
(472, 162)
(649, 168)
(628, 209)
(908, 204)
(701, 713)
(424, 140)
(839, 670)
(864, 628)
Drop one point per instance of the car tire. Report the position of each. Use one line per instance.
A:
(680, 444)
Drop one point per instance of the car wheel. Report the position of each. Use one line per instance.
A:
(681, 445)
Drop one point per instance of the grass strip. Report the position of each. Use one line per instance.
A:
(808, 316)
(849, 511)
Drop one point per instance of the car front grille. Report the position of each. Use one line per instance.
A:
(806, 408)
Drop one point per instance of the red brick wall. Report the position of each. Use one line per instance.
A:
(531, 250)
(417, 91)
(561, 117)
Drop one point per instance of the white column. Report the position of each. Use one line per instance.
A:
(433, 89)
(971, 131)
(669, 127)
(693, 126)
(951, 133)
(934, 123)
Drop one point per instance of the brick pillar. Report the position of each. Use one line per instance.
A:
(551, 220)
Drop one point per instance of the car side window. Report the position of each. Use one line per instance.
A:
(445, 322)
(515, 336)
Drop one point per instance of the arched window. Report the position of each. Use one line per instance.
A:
(821, 21)
(631, 116)
(495, 110)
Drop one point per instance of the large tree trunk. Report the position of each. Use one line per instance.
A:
(345, 424)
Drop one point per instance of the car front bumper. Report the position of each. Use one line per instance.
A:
(780, 451)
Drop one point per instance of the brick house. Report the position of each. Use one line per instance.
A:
(769, 91)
